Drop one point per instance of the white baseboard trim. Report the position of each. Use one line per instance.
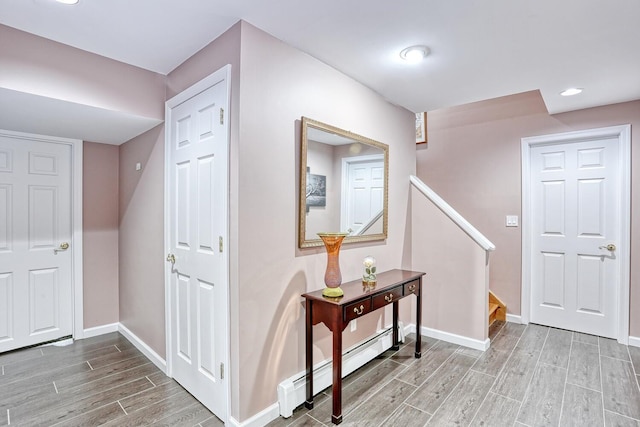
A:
(100, 330)
(455, 339)
(514, 318)
(260, 419)
(634, 341)
(144, 348)
(292, 391)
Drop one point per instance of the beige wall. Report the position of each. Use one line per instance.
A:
(100, 234)
(43, 67)
(141, 242)
(473, 161)
(142, 264)
(39, 66)
(320, 160)
(279, 84)
(273, 86)
(455, 296)
(222, 51)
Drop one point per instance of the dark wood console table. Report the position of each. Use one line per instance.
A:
(336, 313)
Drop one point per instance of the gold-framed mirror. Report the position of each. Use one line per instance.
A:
(344, 184)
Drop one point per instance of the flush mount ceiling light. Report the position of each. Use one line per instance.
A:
(571, 91)
(414, 53)
(68, 1)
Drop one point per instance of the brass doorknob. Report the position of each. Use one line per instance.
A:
(171, 258)
(610, 247)
(63, 247)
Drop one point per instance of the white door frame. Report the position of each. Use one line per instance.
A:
(623, 134)
(190, 92)
(346, 190)
(76, 219)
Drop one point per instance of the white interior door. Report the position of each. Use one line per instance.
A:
(36, 290)
(364, 196)
(575, 193)
(197, 222)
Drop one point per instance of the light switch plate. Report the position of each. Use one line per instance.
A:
(512, 220)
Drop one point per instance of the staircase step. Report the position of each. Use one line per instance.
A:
(492, 308)
(497, 309)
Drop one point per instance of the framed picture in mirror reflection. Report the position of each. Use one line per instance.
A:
(316, 190)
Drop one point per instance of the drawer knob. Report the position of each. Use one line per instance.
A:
(412, 288)
(388, 298)
(358, 310)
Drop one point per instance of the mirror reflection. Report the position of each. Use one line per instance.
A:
(343, 184)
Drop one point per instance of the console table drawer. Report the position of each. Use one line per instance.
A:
(387, 297)
(357, 309)
(411, 287)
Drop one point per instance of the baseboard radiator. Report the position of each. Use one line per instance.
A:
(292, 391)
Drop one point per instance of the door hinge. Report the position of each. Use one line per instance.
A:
(220, 244)
(222, 116)
(222, 371)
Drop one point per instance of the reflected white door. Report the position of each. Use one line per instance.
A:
(575, 189)
(364, 196)
(198, 282)
(36, 293)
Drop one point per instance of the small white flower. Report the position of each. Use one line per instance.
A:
(369, 261)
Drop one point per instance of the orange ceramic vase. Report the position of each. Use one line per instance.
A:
(332, 276)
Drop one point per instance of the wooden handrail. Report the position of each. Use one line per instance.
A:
(458, 219)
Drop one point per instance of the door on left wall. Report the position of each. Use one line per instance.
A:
(36, 291)
(197, 150)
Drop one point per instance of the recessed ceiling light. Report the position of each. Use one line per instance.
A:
(571, 91)
(68, 1)
(414, 53)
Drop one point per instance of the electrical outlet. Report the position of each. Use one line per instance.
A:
(512, 220)
(354, 325)
(138, 166)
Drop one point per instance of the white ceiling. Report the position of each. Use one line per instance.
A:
(481, 49)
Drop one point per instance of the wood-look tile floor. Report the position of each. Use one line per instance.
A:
(531, 376)
(103, 380)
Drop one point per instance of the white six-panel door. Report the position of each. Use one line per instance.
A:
(36, 291)
(198, 288)
(575, 198)
(364, 194)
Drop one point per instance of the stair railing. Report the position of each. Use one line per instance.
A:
(458, 298)
(458, 219)
(369, 224)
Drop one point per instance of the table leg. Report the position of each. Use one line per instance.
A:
(336, 417)
(418, 353)
(396, 344)
(309, 353)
